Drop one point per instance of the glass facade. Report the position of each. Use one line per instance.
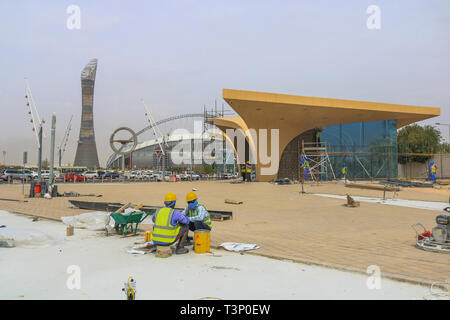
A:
(368, 149)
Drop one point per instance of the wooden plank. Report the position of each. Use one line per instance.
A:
(371, 187)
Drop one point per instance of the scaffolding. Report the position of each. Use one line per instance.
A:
(208, 123)
(316, 160)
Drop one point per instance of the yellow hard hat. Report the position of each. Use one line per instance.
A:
(191, 196)
(170, 197)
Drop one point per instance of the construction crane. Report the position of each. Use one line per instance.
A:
(37, 124)
(62, 146)
(156, 128)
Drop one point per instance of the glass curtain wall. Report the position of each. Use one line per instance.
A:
(367, 149)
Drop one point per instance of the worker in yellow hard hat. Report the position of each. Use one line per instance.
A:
(198, 215)
(248, 169)
(170, 225)
(243, 172)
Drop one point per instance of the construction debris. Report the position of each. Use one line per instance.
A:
(76, 194)
(16, 200)
(88, 220)
(407, 183)
(371, 187)
(237, 247)
(69, 231)
(282, 181)
(229, 201)
(143, 248)
(351, 202)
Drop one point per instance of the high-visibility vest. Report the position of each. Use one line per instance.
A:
(344, 170)
(433, 168)
(305, 164)
(193, 213)
(163, 231)
(249, 168)
(243, 169)
(318, 134)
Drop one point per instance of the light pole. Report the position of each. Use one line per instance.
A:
(445, 124)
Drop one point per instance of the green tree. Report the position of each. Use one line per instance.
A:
(444, 147)
(417, 139)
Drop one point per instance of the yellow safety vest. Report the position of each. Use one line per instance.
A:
(243, 168)
(433, 168)
(249, 169)
(163, 231)
(193, 213)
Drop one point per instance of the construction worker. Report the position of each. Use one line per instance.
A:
(318, 136)
(198, 215)
(305, 166)
(248, 169)
(433, 168)
(170, 225)
(344, 171)
(243, 172)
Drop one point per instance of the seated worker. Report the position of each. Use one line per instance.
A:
(197, 214)
(170, 225)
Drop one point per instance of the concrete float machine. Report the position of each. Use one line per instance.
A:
(436, 240)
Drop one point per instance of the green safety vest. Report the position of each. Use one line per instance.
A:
(344, 170)
(249, 169)
(163, 231)
(318, 134)
(193, 213)
(243, 169)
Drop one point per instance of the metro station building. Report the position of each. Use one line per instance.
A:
(361, 134)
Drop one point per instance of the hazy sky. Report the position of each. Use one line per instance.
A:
(178, 55)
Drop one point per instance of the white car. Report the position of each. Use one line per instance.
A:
(139, 175)
(90, 174)
(45, 174)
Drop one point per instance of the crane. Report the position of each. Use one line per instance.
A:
(37, 124)
(156, 128)
(62, 146)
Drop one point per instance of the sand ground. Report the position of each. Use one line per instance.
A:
(286, 224)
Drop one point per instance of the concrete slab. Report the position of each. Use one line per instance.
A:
(104, 264)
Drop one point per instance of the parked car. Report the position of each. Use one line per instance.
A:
(113, 175)
(135, 175)
(90, 174)
(74, 176)
(17, 174)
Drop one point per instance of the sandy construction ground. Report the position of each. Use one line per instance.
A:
(103, 265)
(286, 224)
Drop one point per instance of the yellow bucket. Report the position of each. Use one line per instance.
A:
(201, 240)
(148, 236)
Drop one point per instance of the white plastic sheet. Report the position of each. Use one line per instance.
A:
(235, 246)
(98, 220)
(21, 237)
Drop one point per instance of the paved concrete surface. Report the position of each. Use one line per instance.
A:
(287, 224)
(41, 272)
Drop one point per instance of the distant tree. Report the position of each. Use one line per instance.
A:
(418, 139)
(444, 147)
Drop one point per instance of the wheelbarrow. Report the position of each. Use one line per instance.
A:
(124, 221)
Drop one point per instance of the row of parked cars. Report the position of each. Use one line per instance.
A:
(19, 174)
